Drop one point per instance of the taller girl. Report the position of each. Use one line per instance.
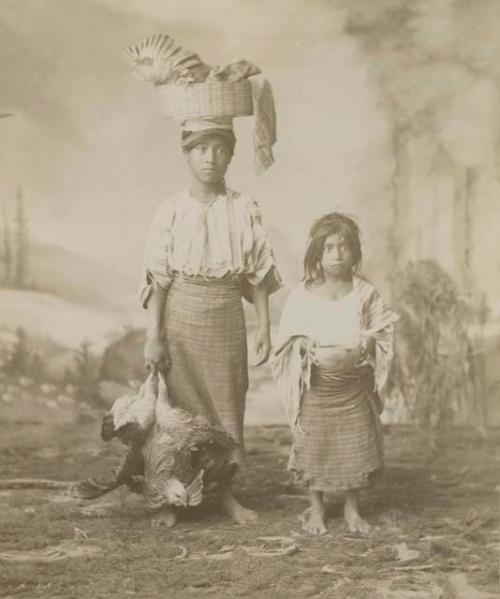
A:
(206, 247)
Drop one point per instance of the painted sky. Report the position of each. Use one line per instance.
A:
(94, 156)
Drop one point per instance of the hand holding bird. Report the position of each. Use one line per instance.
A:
(155, 355)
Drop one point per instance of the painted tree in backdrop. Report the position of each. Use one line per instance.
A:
(436, 63)
(22, 243)
(5, 246)
(6, 254)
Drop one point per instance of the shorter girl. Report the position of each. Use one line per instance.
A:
(331, 363)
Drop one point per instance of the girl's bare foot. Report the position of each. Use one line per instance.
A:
(354, 521)
(238, 513)
(314, 518)
(165, 517)
(313, 521)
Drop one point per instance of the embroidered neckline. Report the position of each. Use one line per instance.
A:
(207, 205)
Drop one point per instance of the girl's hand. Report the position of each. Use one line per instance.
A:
(367, 348)
(155, 355)
(307, 346)
(262, 346)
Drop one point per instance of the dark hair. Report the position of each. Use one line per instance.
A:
(330, 224)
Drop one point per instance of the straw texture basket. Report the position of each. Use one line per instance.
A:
(208, 99)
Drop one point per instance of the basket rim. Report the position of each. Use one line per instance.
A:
(207, 99)
(207, 83)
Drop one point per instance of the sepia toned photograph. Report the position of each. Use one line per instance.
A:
(250, 299)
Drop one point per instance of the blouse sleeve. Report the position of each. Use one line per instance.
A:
(261, 264)
(156, 263)
(290, 369)
(379, 322)
(295, 318)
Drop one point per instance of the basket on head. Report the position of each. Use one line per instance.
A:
(189, 89)
(207, 99)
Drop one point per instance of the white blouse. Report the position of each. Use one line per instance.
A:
(334, 322)
(361, 314)
(222, 238)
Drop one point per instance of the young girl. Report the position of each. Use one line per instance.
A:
(332, 363)
(205, 249)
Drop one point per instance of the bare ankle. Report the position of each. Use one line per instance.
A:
(354, 521)
(316, 501)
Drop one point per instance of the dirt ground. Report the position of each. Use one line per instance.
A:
(435, 520)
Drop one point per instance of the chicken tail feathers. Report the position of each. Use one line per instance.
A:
(194, 490)
(218, 476)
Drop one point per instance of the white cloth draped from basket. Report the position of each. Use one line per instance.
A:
(219, 239)
(292, 371)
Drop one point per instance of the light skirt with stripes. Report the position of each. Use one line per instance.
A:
(206, 343)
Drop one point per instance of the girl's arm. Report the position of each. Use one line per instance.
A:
(155, 354)
(263, 333)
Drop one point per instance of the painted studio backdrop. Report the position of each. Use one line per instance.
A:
(386, 110)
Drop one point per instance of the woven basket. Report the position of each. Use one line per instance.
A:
(208, 99)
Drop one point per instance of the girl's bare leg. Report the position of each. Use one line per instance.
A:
(231, 506)
(354, 521)
(314, 518)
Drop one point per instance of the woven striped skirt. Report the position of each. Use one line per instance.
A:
(338, 445)
(206, 342)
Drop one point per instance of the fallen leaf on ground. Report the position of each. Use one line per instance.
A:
(78, 533)
(326, 569)
(182, 554)
(403, 554)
